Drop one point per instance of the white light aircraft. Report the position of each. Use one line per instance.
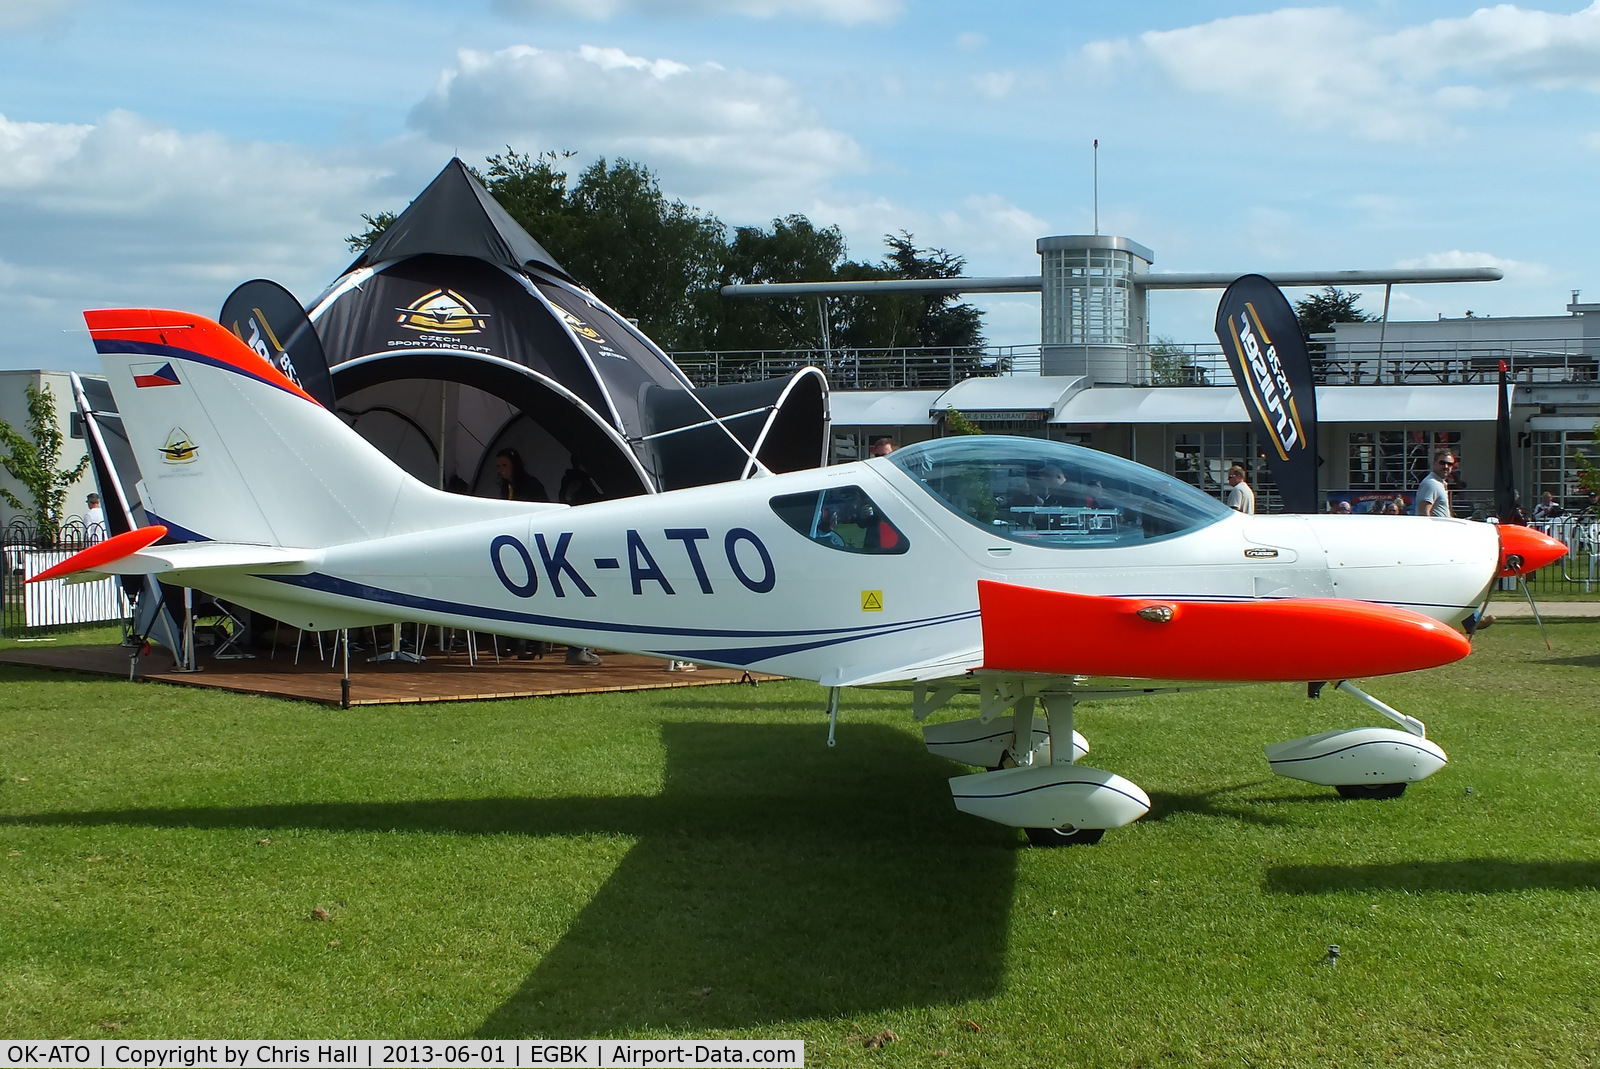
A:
(1028, 572)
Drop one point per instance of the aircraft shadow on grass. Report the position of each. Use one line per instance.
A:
(1591, 660)
(772, 879)
(1164, 805)
(1480, 876)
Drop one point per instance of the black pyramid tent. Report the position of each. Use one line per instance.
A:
(456, 334)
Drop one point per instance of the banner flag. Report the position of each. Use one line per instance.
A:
(1506, 506)
(1261, 338)
(266, 317)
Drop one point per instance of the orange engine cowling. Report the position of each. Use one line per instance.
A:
(1524, 550)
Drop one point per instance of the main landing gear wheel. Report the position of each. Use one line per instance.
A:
(1064, 836)
(1371, 790)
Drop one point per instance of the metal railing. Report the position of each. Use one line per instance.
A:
(43, 608)
(903, 368)
(1165, 364)
(1579, 570)
(1527, 361)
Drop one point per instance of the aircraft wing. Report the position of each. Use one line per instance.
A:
(944, 667)
(1287, 640)
(1119, 643)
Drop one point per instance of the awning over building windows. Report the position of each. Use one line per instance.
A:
(1406, 404)
(1158, 404)
(1020, 396)
(881, 408)
(1335, 404)
(1012, 397)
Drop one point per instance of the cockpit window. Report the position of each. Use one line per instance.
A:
(842, 517)
(1052, 494)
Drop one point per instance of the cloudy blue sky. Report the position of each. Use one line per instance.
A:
(159, 153)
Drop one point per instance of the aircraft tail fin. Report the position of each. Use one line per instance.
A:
(233, 451)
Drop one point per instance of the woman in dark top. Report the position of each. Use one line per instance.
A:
(515, 482)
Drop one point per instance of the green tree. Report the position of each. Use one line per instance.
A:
(956, 423)
(653, 260)
(1168, 361)
(1588, 471)
(1318, 312)
(32, 460)
(376, 225)
(793, 250)
(664, 263)
(942, 319)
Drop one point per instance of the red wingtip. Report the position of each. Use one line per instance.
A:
(1524, 550)
(112, 549)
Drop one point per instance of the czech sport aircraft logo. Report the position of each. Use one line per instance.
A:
(154, 375)
(443, 312)
(581, 328)
(179, 448)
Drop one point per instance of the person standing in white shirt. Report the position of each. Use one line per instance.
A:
(1433, 493)
(94, 520)
(1240, 497)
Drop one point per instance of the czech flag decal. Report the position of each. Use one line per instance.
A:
(154, 375)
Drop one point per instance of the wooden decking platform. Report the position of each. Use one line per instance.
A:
(441, 678)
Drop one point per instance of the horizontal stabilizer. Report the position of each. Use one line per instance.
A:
(97, 556)
(133, 554)
(1290, 640)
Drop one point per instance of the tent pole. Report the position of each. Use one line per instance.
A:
(443, 411)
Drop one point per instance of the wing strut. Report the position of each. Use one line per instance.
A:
(1410, 723)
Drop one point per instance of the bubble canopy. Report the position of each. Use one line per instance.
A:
(1055, 495)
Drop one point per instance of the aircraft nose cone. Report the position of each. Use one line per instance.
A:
(1524, 550)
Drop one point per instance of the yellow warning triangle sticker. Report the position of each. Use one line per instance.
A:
(872, 601)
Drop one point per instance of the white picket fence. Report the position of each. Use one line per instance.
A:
(55, 603)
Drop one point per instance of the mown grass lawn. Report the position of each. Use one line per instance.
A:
(699, 863)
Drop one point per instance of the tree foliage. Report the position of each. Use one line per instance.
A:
(664, 263)
(913, 319)
(793, 250)
(376, 225)
(33, 460)
(1169, 363)
(1318, 312)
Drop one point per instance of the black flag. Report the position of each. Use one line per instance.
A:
(266, 317)
(1506, 506)
(1262, 341)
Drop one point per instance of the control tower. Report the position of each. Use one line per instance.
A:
(1092, 319)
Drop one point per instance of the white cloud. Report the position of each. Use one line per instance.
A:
(1514, 269)
(129, 212)
(31, 14)
(714, 135)
(848, 12)
(1328, 68)
(996, 85)
(988, 225)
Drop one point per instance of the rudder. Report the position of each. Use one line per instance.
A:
(231, 450)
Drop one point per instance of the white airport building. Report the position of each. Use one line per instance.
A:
(1388, 393)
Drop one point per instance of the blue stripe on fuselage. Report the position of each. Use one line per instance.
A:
(801, 639)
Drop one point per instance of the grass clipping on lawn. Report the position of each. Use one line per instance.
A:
(179, 863)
